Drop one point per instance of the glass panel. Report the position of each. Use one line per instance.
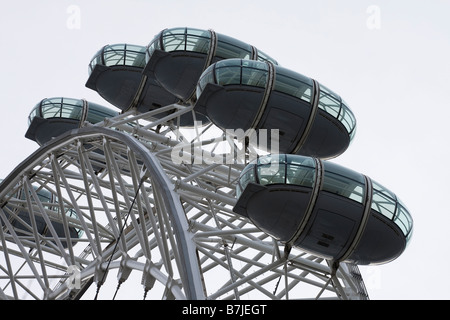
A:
(114, 55)
(198, 40)
(347, 118)
(382, 189)
(264, 57)
(97, 59)
(135, 56)
(329, 104)
(228, 48)
(228, 75)
(300, 160)
(206, 77)
(66, 110)
(300, 170)
(272, 173)
(383, 201)
(124, 54)
(271, 169)
(34, 113)
(344, 182)
(272, 158)
(254, 73)
(43, 195)
(76, 112)
(383, 204)
(343, 171)
(293, 84)
(329, 101)
(300, 175)
(51, 108)
(97, 113)
(247, 177)
(403, 220)
(174, 39)
(155, 44)
(343, 186)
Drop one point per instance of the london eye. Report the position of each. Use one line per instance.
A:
(212, 180)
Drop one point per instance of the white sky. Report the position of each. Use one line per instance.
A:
(394, 73)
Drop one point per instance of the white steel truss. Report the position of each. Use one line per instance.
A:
(119, 202)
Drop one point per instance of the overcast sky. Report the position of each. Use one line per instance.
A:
(389, 60)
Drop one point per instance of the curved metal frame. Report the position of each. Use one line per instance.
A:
(170, 201)
(215, 254)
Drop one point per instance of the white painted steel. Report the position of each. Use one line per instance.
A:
(181, 239)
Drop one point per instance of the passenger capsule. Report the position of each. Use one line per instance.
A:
(311, 119)
(54, 116)
(115, 72)
(21, 219)
(177, 57)
(324, 208)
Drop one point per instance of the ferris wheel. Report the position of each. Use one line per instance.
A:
(180, 195)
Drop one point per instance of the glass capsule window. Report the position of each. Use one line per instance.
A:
(97, 59)
(271, 172)
(228, 48)
(241, 72)
(119, 55)
(206, 77)
(174, 39)
(293, 84)
(347, 118)
(97, 113)
(69, 108)
(196, 40)
(155, 44)
(300, 170)
(264, 57)
(228, 72)
(35, 112)
(50, 202)
(278, 169)
(185, 39)
(329, 101)
(235, 72)
(404, 221)
(387, 203)
(247, 176)
(383, 201)
(180, 39)
(332, 104)
(343, 182)
(58, 108)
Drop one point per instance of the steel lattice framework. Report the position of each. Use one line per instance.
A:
(143, 219)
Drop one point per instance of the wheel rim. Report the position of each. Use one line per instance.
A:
(192, 246)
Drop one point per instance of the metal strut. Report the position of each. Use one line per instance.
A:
(117, 242)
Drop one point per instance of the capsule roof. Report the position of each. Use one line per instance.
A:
(176, 57)
(256, 74)
(54, 116)
(119, 55)
(69, 108)
(116, 73)
(205, 41)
